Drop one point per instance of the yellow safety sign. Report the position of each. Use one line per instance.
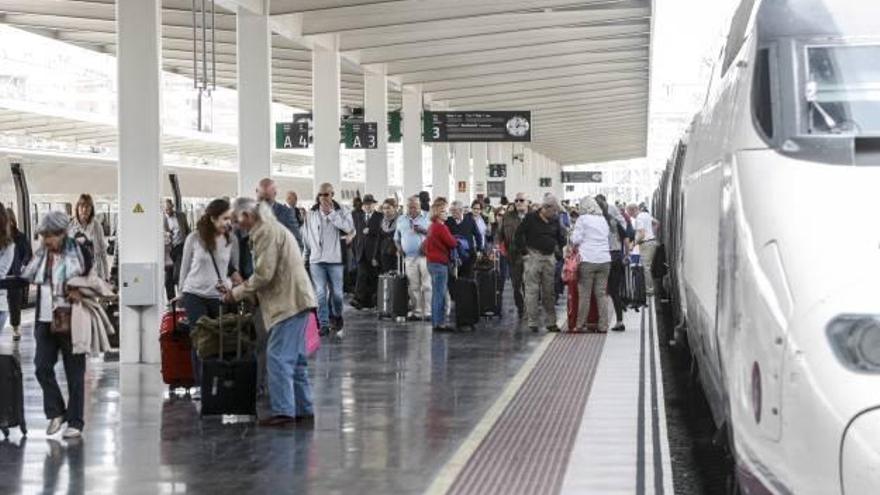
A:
(138, 208)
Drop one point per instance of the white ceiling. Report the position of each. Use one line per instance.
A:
(580, 66)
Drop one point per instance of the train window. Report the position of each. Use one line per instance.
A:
(762, 100)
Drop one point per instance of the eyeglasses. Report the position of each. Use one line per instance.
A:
(520, 200)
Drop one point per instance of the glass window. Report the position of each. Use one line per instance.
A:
(762, 101)
(843, 89)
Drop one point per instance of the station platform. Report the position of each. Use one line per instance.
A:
(399, 410)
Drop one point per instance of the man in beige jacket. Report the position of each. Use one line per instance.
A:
(286, 297)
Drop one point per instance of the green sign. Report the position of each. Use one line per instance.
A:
(360, 135)
(395, 134)
(291, 135)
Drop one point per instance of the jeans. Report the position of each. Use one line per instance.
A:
(290, 393)
(48, 346)
(324, 274)
(197, 307)
(439, 278)
(419, 285)
(540, 288)
(593, 280)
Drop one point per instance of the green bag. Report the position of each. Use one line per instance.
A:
(206, 334)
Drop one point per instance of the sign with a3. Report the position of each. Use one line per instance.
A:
(361, 135)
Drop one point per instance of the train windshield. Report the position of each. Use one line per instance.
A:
(843, 89)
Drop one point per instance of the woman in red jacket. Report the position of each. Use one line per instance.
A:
(438, 244)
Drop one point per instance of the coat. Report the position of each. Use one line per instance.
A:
(367, 236)
(279, 281)
(90, 327)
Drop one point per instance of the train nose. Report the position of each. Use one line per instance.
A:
(860, 455)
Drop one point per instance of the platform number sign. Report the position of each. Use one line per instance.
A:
(497, 170)
(291, 135)
(545, 182)
(361, 135)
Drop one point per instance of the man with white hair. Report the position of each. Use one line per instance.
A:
(506, 235)
(643, 224)
(327, 223)
(540, 239)
(267, 192)
(409, 236)
(286, 297)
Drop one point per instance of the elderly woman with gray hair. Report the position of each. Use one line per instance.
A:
(590, 237)
(59, 259)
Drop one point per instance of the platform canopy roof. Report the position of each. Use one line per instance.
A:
(580, 66)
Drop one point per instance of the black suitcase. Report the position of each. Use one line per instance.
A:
(635, 294)
(466, 297)
(392, 299)
(11, 395)
(229, 386)
(489, 289)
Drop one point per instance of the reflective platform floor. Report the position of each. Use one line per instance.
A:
(399, 410)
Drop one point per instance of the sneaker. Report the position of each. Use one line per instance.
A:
(16, 334)
(553, 329)
(340, 334)
(307, 420)
(195, 393)
(54, 425)
(71, 433)
(619, 327)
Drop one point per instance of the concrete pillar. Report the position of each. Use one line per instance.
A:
(514, 170)
(440, 172)
(413, 180)
(326, 103)
(255, 138)
(462, 171)
(139, 52)
(479, 152)
(376, 110)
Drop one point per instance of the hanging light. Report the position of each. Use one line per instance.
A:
(204, 83)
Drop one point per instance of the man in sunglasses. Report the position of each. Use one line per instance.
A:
(327, 223)
(506, 235)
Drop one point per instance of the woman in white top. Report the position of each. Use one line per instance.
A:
(84, 223)
(590, 237)
(7, 255)
(210, 262)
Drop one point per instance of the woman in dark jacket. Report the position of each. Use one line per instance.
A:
(463, 227)
(386, 252)
(17, 297)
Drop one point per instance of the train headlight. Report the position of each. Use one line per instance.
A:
(856, 341)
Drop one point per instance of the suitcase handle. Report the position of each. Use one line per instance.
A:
(238, 327)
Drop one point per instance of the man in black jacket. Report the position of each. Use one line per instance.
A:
(368, 228)
(463, 226)
(540, 239)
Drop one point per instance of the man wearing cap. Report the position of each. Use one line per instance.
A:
(367, 229)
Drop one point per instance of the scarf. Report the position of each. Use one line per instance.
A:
(70, 264)
(389, 224)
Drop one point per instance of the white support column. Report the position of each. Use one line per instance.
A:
(513, 182)
(462, 171)
(138, 24)
(255, 129)
(441, 173)
(376, 110)
(480, 151)
(413, 180)
(326, 103)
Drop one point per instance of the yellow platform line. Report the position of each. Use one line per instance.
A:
(450, 471)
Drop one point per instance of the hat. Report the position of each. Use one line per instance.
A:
(368, 198)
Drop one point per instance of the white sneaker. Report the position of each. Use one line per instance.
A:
(71, 433)
(54, 425)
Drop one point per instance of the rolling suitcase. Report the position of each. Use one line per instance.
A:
(489, 289)
(635, 293)
(466, 297)
(573, 301)
(229, 386)
(11, 395)
(393, 293)
(176, 350)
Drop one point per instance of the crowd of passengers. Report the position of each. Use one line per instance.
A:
(297, 260)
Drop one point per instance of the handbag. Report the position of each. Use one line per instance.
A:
(313, 337)
(570, 266)
(61, 321)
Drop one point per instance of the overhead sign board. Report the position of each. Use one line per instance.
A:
(545, 182)
(466, 127)
(497, 170)
(581, 177)
(361, 135)
(496, 188)
(291, 135)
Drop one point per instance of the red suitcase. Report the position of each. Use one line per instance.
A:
(592, 318)
(177, 371)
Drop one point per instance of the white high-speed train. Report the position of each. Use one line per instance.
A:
(768, 212)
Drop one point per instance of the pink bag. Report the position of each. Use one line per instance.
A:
(313, 338)
(570, 266)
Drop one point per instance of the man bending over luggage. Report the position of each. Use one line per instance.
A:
(286, 298)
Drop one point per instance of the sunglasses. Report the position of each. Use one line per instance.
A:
(519, 200)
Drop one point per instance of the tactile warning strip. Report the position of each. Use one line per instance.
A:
(527, 450)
